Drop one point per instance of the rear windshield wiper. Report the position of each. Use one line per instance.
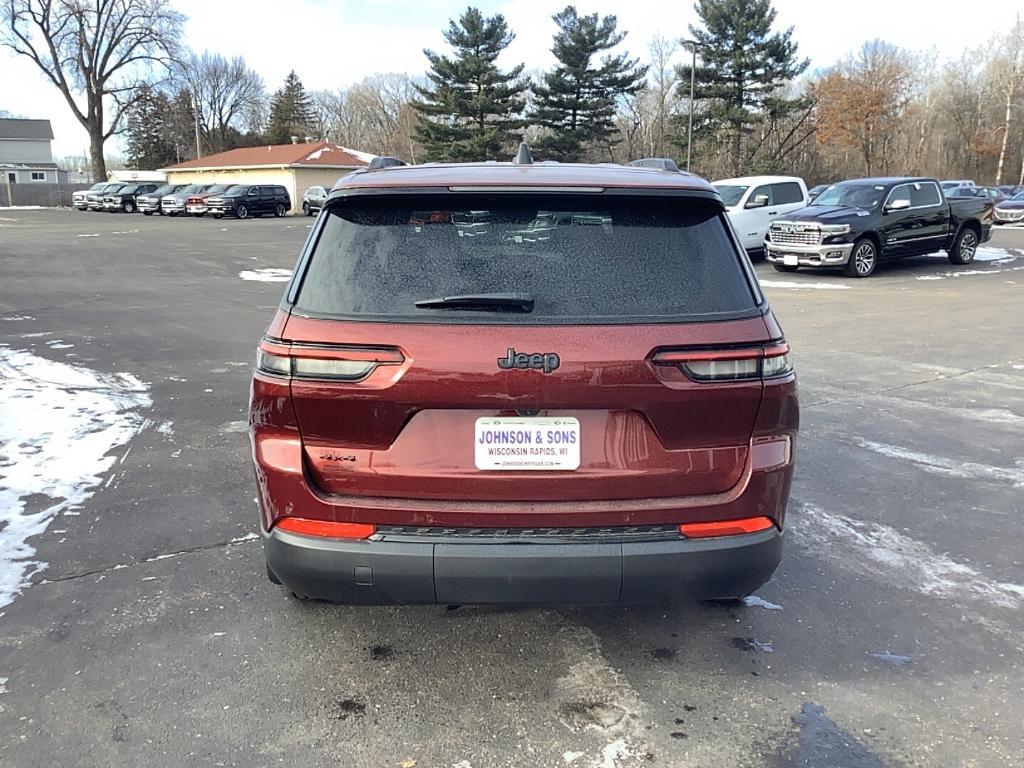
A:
(499, 302)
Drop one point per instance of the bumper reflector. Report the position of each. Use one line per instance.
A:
(725, 527)
(326, 528)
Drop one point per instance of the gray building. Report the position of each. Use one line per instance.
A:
(25, 156)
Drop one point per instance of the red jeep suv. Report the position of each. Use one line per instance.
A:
(525, 383)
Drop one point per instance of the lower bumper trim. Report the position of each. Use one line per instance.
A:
(460, 571)
(825, 255)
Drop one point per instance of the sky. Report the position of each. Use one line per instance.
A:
(334, 43)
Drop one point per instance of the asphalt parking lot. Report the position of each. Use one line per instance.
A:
(891, 636)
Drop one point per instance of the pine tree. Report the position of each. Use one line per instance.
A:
(291, 112)
(743, 65)
(148, 144)
(470, 109)
(576, 101)
(180, 127)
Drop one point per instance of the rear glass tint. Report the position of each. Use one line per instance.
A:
(581, 258)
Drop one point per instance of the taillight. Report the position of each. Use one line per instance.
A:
(334, 363)
(725, 527)
(730, 364)
(326, 528)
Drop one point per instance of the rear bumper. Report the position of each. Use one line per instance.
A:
(455, 570)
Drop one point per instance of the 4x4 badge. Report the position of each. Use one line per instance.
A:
(543, 361)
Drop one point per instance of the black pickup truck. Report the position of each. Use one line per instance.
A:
(857, 224)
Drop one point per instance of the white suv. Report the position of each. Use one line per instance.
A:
(753, 202)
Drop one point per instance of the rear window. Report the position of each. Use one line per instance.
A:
(924, 194)
(580, 258)
(787, 192)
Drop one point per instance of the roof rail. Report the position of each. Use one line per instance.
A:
(382, 161)
(523, 156)
(661, 163)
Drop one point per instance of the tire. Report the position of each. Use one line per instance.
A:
(217, 215)
(279, 210)
(147, 213)
(172, 214)
(784, 268)
(964, 247)
(242, 212)
(306, 210)
(863, 259)
(128, 206)
(198, 215)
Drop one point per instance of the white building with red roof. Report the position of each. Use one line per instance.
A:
(296, 167)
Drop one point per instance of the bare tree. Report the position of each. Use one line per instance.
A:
(102, 48)
(663, 77)
(373, 115)
(862, 103)
(1009, 76)
(228, 95)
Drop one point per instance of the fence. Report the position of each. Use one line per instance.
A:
(48, 195)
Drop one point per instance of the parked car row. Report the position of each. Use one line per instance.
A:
(239, 200)
(854, 225)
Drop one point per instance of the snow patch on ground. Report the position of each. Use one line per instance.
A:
(941, 465)
(599, 700)
(889, 556)
(16, 318)
(615, 752)
(968, 273)
(58, 425)
(753, 601)
(809, 285)
(267, 275)
(166, 428)
(984, 253)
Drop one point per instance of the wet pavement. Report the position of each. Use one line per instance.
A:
(890, 636)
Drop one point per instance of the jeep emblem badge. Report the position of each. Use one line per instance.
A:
(542, 361)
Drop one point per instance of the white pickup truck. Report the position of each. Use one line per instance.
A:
(753, 202)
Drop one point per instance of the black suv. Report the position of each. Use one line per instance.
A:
(124, 199)
(244, 200)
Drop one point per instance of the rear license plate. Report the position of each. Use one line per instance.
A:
(790, 259)
(527, 443)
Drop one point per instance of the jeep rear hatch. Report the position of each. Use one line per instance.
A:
(416, 316)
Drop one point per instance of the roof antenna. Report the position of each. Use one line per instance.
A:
(523, 156)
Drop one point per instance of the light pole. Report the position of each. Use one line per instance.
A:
(195, 114)
(693, 78)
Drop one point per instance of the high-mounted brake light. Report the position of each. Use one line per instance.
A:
(334, 363)
(738, 364)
